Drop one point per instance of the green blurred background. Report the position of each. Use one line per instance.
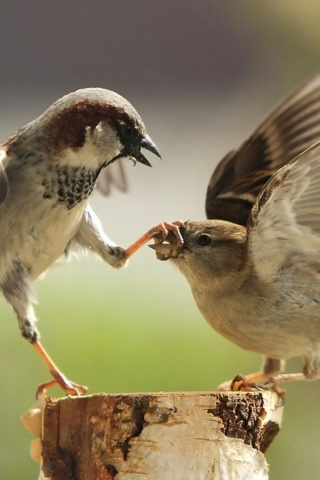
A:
(202, 75)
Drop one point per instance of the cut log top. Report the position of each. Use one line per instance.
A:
(157, 436)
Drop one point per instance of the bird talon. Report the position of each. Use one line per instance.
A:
(167, 239)
(272, 385)
(241, 383)
(59, 378)
(159, 233)
(69, 387)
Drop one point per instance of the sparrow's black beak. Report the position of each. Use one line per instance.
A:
(133, 142)
(148, 144)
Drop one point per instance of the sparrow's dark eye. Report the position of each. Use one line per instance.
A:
(204, 239)
(127, 133)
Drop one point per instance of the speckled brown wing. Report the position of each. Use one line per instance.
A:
(290, 129)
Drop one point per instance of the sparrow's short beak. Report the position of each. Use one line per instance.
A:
(148, 144)
(164, 251)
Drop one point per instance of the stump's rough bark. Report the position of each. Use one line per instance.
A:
(161, 436)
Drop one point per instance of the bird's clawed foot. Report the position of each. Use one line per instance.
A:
(159, 233)
(69, 387)
(242, 384)
(59, 378)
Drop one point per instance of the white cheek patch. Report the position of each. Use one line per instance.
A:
(101, 145)
(104, 135)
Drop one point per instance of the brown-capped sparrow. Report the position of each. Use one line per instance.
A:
(48, 170)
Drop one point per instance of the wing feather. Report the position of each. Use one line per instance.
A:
(284, 224)
(290, 129)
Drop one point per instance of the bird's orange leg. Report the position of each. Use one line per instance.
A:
(162, 229)
(59, 379)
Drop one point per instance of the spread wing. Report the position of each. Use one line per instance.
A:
(291, 128)
(285, 220)
(112, 175)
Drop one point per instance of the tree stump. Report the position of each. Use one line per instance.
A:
(159, 436)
